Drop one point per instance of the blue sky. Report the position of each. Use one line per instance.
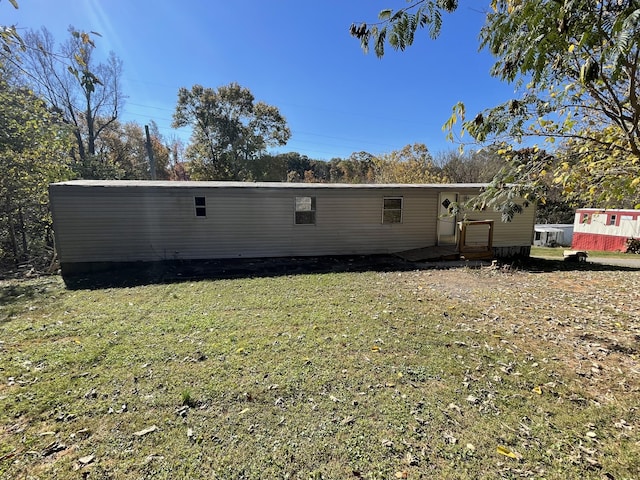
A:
(294, 54)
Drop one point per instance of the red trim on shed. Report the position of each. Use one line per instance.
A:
(592, 241)
(585, 217)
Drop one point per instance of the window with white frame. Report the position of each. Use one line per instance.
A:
(392, 210)
(305, 211)
(612, 219)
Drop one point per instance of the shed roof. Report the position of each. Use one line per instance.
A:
(607, 210)
(545, 227)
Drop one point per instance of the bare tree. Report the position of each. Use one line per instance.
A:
(87, 94)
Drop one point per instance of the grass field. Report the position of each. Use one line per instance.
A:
(461, 373)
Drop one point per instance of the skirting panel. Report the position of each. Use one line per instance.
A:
(591, 241)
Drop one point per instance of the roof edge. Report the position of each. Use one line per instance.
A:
(266, 185)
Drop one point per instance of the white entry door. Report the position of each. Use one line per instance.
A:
(446, 221)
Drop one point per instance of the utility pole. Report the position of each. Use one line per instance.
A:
(152, 162)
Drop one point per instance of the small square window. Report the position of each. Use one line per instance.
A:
(586, 218)
(612, 219)
(305, 210)
(392, 210)
(201, 206)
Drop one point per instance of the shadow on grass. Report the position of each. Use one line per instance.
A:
(136, 274)
(15, 292)
(10, 293)
(548, 265)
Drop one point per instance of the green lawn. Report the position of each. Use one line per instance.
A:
(463, 374)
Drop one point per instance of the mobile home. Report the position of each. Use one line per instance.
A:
(553, 235)
(104, 222)
(608, 230)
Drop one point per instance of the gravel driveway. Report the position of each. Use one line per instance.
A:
(632, 262)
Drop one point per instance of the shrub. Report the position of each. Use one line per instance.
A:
(633, 245)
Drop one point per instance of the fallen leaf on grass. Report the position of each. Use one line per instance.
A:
(348, 420)
(588, 451)
(537, 390)
(91, 393)
(410, 460)
(82, 433)
(83, 462)
(9, 455)
(623, 424)
(402, 474)
(52, 448)
(449, 438)
(87, 459)
(150, 429)
(507, 452)
(182, 411)
(593, 462)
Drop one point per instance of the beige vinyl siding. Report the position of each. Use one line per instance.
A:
(137, 223)
(517, 233)
(149, 221)
(477, 235)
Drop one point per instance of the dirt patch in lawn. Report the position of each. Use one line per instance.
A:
(589, 319)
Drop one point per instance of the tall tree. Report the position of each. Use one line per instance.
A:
(86, 93)
(470, 166)
(578, 60)
(359, 167)
(411, 164)
(229, 129)
(121, 153)
(34, 147)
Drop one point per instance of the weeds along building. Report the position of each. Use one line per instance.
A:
(98, 223)
(607, 230)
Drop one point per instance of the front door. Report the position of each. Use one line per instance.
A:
(446, 221)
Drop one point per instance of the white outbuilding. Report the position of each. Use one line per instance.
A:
(553, 235)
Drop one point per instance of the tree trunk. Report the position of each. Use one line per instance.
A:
(12, 231)
(23, 235)
(91, 138)
(81, 151)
